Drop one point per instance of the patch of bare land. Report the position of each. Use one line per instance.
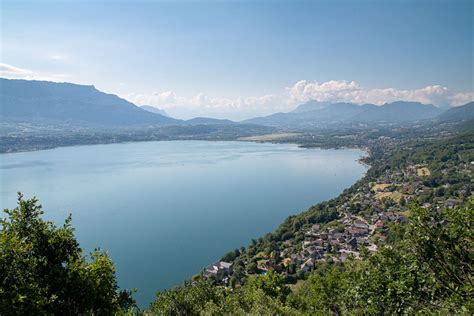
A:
(396, 196)
(270, 137)
(380, 187)
(423, 172)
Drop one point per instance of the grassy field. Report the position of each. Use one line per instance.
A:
(423, 172)
(270, 137)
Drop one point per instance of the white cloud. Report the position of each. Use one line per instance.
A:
(12, 72)
(350, 91)
(169, 99)
(251, 106)
(302, 91)
(201, 104)
(9, 70)
(462, 98)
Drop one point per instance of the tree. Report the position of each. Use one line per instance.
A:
(188, 299)
(442, 241)
(43, 271)
(272, 284)
(252, 268)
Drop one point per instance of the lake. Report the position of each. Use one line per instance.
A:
(164, 210)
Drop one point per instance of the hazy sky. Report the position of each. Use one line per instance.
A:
(243, 58)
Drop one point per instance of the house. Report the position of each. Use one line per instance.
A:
(319, 242)
(219, 270)
(358, 232)
(387, 216)
(343, 257)
(315, 251)
(379, 224)
(284, 252)
(296, 258)
(360, 240)
(315, 228)
(266, 265)
(311, 249)
(450, 203)
(360, 224)
(352, 244)
(308, 265)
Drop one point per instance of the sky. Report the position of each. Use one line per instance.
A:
(240, 59)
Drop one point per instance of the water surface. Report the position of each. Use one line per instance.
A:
(164, 210)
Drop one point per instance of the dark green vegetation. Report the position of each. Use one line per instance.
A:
(43, 270)
(425, 268)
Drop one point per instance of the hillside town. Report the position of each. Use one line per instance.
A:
(365, 216)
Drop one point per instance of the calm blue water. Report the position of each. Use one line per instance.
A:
(164, 210)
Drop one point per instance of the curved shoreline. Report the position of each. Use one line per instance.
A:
(308, 188)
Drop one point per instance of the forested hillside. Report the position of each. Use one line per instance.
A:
(398, 241)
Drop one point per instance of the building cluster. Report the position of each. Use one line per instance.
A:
(219, 271)
(365, 216)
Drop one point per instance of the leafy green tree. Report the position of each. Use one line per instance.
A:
(43, 271)
(322, 292)
(252, 268)
(188, 299)
(442, 242)
(272, 284)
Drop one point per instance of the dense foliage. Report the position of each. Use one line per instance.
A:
(426, 269)
(43, 270)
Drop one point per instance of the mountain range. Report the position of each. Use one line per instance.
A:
(67, 103)
(459, 113)
(320, 114)
(42, 101)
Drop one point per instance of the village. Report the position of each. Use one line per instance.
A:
(364, 222)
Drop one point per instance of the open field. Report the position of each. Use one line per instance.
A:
(396, 196)
(380, 187)
(423, 172)
(270, 137)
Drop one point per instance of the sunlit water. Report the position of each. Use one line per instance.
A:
(164, 210)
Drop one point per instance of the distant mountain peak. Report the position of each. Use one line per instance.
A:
(459, 113)
(311, 105)
(209, 121)
(43, 101)
(318, 114)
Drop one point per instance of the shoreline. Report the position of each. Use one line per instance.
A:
(240, 139)
(356, 155)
